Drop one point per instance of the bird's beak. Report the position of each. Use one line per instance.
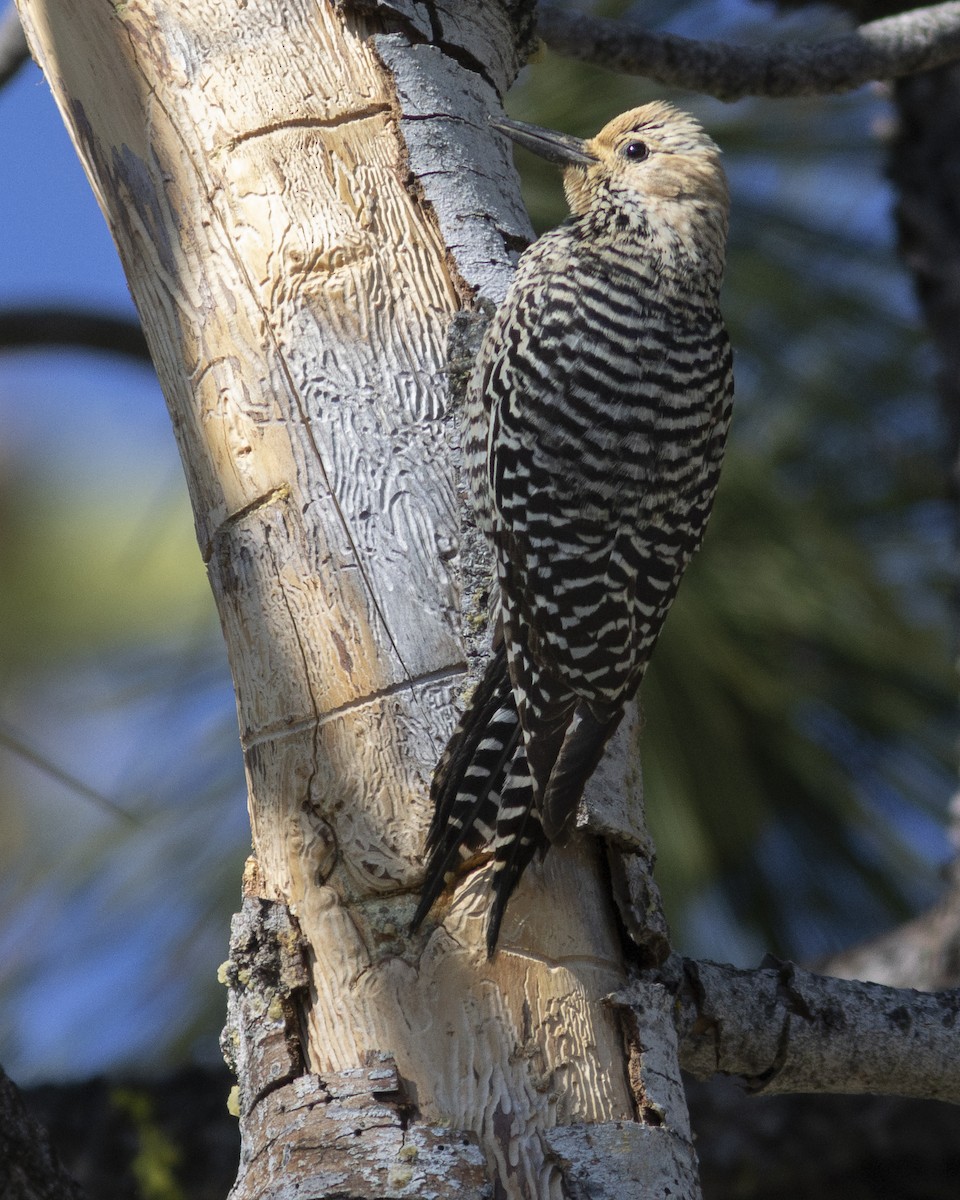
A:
(554, 147)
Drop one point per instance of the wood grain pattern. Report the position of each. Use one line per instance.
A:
(295, 282)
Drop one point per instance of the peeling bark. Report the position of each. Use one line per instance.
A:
(343, 1133)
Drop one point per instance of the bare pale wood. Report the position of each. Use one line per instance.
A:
(254, 164)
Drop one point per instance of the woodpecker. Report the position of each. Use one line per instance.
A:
(596, 419)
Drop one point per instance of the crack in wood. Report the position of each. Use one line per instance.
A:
(276, 495)
(335, 122)
(296, 725)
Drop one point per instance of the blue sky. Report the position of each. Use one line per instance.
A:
(57, 250)
(85, 960)
(57, 245)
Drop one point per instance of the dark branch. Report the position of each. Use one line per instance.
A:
(29, 1167)
(17, 744)
(23, 327)
(14, 51)
(887, 49)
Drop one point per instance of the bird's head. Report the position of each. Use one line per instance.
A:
(652, 169)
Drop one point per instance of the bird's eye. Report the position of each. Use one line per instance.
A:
(636, 151)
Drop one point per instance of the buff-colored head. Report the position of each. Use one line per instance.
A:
(654, 151)
(654, 167)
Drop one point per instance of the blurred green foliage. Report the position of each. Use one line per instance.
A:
(157, 1159)
(89, 571)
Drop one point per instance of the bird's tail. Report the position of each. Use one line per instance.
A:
(483, 796)
(584, 742)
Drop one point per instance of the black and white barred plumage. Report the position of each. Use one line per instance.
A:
(596, 420)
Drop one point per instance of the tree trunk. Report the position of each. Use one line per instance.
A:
(303, 195)
(29, 1167)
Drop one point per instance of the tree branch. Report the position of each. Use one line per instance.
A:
(52, 326)
(886, 49)
(29, 1167)
(784, 1029)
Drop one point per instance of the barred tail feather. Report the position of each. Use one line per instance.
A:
(491, 696)
(484, 790)
(519, 837)
(583, 745)
(468, 780)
